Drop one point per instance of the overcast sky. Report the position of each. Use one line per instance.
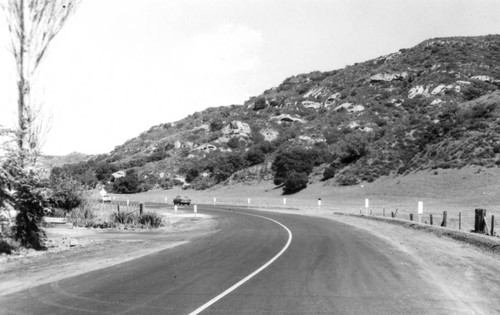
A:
(119, 67)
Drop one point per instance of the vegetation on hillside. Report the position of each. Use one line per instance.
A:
(435, 105)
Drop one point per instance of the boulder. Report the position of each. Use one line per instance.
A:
(316, 92)
(284, 118)
(269, 134)
(310, 104)
(207, 147)
(237, 128)
(332, 99)
(350, 108)
(418, 90)
(388, 77)
(437, 102)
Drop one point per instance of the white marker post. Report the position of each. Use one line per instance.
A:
(367, 205)
(166, 199)
(195, 210)
(215, 201)
(175, 208)
(284, 201)
(420, 211)
(248, 201)
(128, 202)
(319, 204)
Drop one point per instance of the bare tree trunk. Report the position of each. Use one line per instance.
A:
(32, 26)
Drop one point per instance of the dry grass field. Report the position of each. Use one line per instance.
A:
(451, 190)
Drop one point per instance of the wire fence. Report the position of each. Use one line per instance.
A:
(456, 218)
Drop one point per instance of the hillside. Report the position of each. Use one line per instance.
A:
(435, 105)
(56, 160)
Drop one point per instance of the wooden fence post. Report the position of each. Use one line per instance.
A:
(492, 225)
(430, 218)
(141, 207)
(459, 220)
(411, 216)
(445, 214)
(118, 208)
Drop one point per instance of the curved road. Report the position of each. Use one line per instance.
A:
(320, 267)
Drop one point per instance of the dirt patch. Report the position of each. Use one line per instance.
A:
(76, 251)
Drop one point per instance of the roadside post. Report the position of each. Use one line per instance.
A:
(249, 202)
(195, 210)
(367, 205)
(319, 204)
(175, 208)
(284, 201)
(420, 211)
(215, 201)
(166, 199)
(141, 207)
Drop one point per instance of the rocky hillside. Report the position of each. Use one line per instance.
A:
(435, 105)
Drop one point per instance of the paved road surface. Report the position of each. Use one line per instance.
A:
(328, 268)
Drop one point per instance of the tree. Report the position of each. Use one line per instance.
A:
(32, 24)
(128, 184)
(295, 182)
(294, 161)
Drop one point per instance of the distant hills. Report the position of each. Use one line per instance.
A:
(435, 105)
(60, 160)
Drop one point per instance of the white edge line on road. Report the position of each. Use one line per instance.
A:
(250, 276)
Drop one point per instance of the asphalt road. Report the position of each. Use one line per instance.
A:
(320, 267)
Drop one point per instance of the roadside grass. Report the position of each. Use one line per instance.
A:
(98, 215)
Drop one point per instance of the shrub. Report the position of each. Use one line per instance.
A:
(192, 174)
(294, 161)
(259, 104)
(122, 218)
(255, 156)
(233, 143)
(128, 184)
(328, 173)
(150, 220)
(347, 179)
(295, 182)
(216, 124)
(7, 246)
(31, 203)
(267, 147)
(67, 193)
(352, 148)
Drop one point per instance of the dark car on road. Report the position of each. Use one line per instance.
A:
(182, 200)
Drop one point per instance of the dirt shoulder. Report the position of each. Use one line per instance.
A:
(76, 251)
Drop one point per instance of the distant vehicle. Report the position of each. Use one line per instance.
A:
(105, 198)
(182, 200)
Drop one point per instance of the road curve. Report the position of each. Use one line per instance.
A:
(328, 268)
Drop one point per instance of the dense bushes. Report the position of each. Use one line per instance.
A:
(352, 147)
(328, 173)
(295, 182)
(293, 167)
(128, 184)
(66, 193)
(254, 157)
(31, 204)
(293, 161)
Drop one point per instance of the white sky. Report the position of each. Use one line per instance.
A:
(121, 66)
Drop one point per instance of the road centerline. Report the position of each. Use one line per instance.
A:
(253, 274)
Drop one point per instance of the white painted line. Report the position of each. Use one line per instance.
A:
(250, 276)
